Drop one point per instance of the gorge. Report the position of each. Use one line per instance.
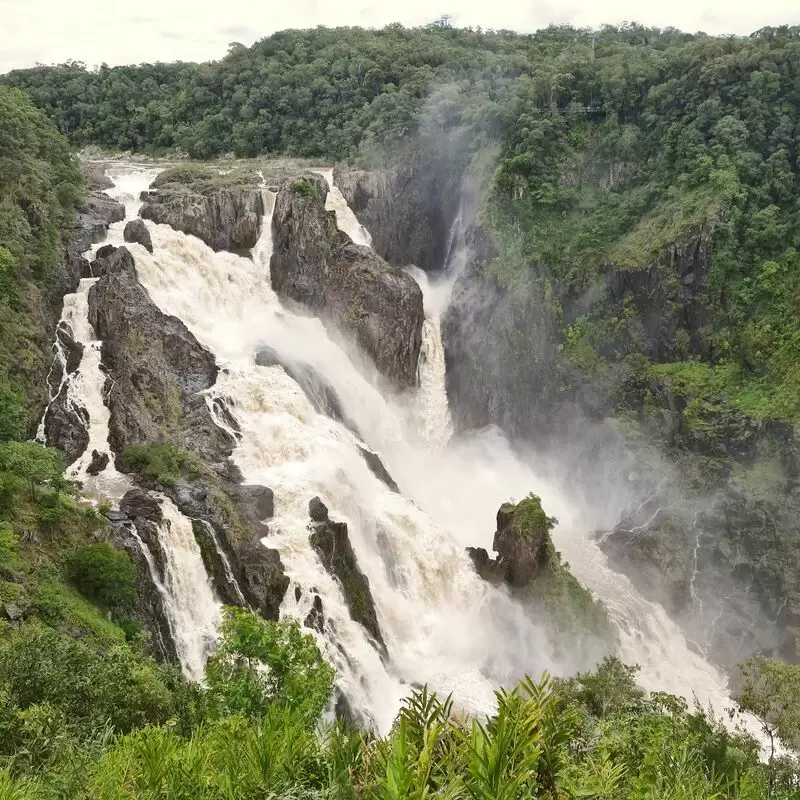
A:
(401, 396)
(439, 623)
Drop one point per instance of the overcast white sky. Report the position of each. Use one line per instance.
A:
(115, 32)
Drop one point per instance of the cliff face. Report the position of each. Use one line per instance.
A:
(715, 541)
(156, 368)
(408, 211)
(315, 264)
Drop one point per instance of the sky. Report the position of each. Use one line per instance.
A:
(114, 32)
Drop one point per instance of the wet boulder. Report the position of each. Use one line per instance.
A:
(136, 231)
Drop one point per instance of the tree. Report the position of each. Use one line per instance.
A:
(260, 662)
(31, 461)
(770, 691)
(105, 575)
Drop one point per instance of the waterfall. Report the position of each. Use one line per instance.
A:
(226, 564)
(346, 220)
(192, 609)
(442, 624)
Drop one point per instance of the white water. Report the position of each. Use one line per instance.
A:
(193, 610)
(442, 625)
(193, 613)
(346, 220)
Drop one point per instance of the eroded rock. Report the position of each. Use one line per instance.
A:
(223, 211)
(332, 543)
(136, 231)
(317, 265)
(157, 368)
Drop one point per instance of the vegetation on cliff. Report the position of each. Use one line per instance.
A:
(40, 188)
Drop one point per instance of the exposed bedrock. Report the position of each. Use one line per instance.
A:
(315, 264)
(332, 543)
(224, 211)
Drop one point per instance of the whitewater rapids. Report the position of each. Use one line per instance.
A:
(441, 623)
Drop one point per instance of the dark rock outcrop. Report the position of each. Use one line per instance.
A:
(315, 264)
(223, 211)
(136, 231)
(332, 543)
(156, 368)
(94, 218)
(138, 504)
(234, 514)
(528, 563)
(66, 426)
(408, 211)
(315, 619)
(522, 543)
(105, 251)
(135, 526)
(98, 463)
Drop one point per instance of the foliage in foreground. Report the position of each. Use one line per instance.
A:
(123, 727)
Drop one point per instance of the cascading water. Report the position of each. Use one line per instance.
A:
(442, 625)
(193, 611)
(346, 220)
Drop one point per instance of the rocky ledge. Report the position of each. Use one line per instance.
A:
(224, 210)
(156, 368)
(315, 264)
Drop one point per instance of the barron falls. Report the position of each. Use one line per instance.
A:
(263, 399)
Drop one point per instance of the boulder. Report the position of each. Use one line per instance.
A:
(136, 231)
(315, 619)
(138, 504)
(105, 250)
(332, 543)
(98, 463)
(224, 211)
(315, 264)
(317, 510)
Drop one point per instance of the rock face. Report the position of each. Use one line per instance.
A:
(66, 425)
(522, 543)
(98, 463)
(140, 513)
(136, 231)
(225, 212)
(156, 368)
(725, 568)
(332, 544)
(528, 563)
(315, 264)
(94, 218)
(244, 571)
(408, 211)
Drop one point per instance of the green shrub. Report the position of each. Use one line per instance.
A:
(162, 462)
(104, 575)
